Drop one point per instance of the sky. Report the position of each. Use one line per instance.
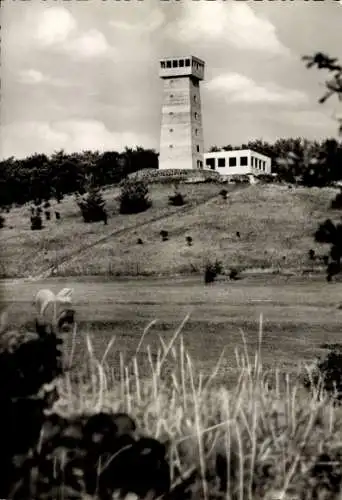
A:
(83, 74)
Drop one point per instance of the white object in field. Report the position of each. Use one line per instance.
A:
(49, 306)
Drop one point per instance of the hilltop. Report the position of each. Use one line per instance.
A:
(275, 223)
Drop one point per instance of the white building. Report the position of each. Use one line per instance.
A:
(238, 162)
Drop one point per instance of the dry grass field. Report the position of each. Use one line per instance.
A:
(275, 224)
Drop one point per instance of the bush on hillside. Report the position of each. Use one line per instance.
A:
(36, 223)
(212, 269)
(336, 203)
(47, 204)
(140, 241)
(57, 215)
(164, 235)
(189, 241)
(224, 194)
(330, 233)
(233, 274)
(48, 215)
(134, 197)
(311, 254)
(92, 206)
(177, 199)
(2, 221)
(327, 374)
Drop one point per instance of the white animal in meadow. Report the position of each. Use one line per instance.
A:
(51, 309)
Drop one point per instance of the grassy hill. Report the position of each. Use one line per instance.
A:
(275, 224)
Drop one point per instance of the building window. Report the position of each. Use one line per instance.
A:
(171, 129)
(252, 161)
(210, 162)
(175, 63)
(171, 95)
(162, 64)
(171, 146)
(232, 162)
(187, 62)
(197, 149)
(181, 63)
(171, 113)
(221, 162)
(196, 131)
(244, 161)
(195, 98)
(201, 164)
(168, 64)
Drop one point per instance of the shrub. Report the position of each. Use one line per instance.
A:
(36, 223)
(48, 215)
(234, 274)
(134, 197)
(312, 254)
(224, 194)
(336, 203)
(238, 235)
(212, 269)
(28, 361)
(2, 221)
(327, 374)
(57, 215)
(164, 235)
(189, 240)
(47, 204)
(92, 206)
(140, 241)
(177, 199)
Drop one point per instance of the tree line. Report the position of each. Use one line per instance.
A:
(40, 177)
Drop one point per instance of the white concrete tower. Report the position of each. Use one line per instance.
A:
(181, 137)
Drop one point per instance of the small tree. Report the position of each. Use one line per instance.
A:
(48, 215)
(336, 203)
(164, 235)
(36, 223)
(140, 241)
(177, 199)
(134, 197)
(92, 206)
(311, 254)
(212, 269)
(330, 233)
(2, 221)
(224, 194)
(233, 274)
(57, 215)
(189, 241)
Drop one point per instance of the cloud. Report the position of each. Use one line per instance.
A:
(34, 77)
(54, 26)
(90, 44)
(152, 22)
(57, 29)
(238, 88)
(232, 23)
(24, 138)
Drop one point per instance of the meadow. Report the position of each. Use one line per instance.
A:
(211, 369)
(276, 227)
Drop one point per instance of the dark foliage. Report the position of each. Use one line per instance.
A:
(327, 374)
(140, 241)
(330, 233)
(224, 194)
(164, 235)
(238, 235)
(36, 223)
(28, 361)
(189, 241)
(311, 254)
(42, 178)
(57, 215)
(177, 199)
(92, 206)
(48, 215)
(46, 205)
(134, 197)
(212, 269)
(233, 274)
(336, 203)
(2, 221)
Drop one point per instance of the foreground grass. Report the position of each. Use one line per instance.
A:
(276, 226)
(271, 433)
